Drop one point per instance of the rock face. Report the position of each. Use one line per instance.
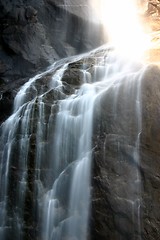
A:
(126, 185)
(36, 33)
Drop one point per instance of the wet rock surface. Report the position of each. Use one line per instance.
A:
(36, 33)
(126, 190)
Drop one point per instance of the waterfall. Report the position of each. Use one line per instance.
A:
(72, 151)
(46, 147)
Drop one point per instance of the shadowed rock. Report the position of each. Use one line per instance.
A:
(125, 190)
(36, 33)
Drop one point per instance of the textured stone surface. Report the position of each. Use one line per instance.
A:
(79, 8)
(126, 191)
(36, 33)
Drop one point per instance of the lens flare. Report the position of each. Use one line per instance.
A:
(122, 26)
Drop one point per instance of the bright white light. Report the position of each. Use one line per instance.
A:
(123, 28)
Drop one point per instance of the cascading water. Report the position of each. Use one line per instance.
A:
(46, 148)
(72, 151)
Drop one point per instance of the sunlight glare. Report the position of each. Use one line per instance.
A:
(122, 26)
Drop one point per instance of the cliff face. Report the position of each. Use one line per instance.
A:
(36, 33)
(125, 166)
(126, 170)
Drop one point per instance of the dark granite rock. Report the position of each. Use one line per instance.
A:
(126, 175)
(36, 33)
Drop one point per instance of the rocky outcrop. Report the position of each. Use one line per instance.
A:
(36, 33)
